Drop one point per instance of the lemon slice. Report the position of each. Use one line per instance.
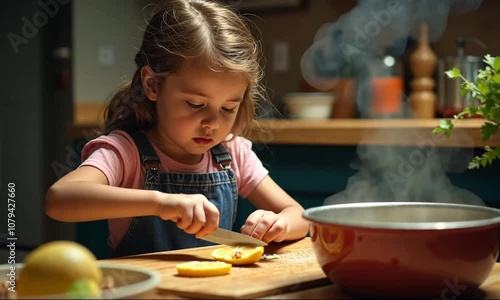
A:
(203, 268)
(239, 255)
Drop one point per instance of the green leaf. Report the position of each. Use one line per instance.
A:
(453, 73)
(483, 161)
(488, 157)
(496, 64)
(494, 114)
(494, 80)
(482, 85)
(438, 130)
(488, 130)
(466, 87)
(482, 74)
(474, 164)
(489, 60)
(445, 124)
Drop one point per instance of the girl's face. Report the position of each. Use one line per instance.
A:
(196, 109)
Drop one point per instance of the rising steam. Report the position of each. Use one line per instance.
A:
(346, 48)
(417, 174)
(374, 28)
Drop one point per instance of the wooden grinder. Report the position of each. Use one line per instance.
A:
(422, 97)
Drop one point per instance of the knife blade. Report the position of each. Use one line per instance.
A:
(231, 238)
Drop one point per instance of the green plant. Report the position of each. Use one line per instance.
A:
(486, 92)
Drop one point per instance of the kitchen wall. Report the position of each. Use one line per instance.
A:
(114, 25)
(109, 23)
(119, 24)
(298, 29)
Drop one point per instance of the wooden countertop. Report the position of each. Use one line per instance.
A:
(295, 269)
(294, 275)
(344, 132)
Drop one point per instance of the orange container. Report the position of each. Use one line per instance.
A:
(387, 95)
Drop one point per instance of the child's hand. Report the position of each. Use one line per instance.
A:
(266, 226)
(193, 213)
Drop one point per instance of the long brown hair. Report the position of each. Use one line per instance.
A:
(181, 30)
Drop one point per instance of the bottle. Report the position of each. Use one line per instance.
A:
(386, 88)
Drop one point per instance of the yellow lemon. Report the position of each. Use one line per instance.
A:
(54, 267)
(238, 255)
(203, 268)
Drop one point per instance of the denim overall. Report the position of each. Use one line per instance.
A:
(151, 233)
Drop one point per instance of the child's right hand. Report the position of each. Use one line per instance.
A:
(193, 213)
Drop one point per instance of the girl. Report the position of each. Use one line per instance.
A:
(171, 163)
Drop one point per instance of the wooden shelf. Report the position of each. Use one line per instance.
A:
(344, 132)
(401, 132)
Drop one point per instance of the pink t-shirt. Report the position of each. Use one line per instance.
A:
(116, 155)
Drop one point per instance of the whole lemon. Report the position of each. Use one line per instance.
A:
(54, 267)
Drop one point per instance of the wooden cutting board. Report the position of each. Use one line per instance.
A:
(295, 269)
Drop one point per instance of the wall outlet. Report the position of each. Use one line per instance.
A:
(281, 56)
(106, 56)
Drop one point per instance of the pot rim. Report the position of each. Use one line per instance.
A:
(436, 225)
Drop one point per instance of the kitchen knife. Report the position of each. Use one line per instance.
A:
(231, 238)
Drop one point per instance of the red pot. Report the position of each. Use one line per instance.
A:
(405, 249)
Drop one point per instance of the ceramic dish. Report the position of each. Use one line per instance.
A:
(311, 106)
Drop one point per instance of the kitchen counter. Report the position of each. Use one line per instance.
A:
(345, 132)
(294, 275)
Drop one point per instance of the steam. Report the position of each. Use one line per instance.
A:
(348, 48)
(418, 174)
(374, 28)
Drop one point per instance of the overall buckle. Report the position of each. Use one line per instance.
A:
(225, 165)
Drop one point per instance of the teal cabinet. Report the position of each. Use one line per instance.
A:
(310, 174)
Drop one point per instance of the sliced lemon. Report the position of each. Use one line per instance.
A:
(238, 255)
(203, 268)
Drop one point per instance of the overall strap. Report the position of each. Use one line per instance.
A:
(148, 155)
(151, 160)
(221, 156)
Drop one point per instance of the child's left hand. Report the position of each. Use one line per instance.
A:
(266, 226)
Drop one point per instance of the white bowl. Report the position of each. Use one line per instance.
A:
(129, 281)
(311, 106)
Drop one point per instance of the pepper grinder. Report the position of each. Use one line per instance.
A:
(423, 61)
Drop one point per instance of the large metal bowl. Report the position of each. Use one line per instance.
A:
(405, 249)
